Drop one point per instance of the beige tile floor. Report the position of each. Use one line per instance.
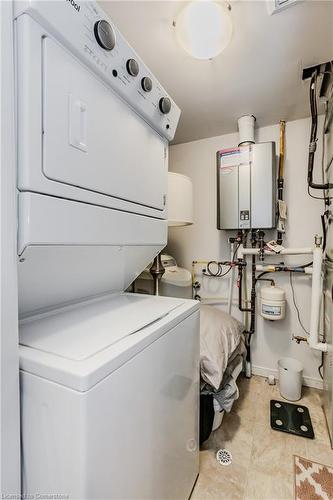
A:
(262, 466)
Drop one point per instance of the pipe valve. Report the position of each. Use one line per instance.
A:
(299, 339)
(318, 240)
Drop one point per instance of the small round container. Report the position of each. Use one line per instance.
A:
(272, 302)
(175, 282)
(290, 378)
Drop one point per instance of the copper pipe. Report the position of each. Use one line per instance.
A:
(281, 172)
(282, 149)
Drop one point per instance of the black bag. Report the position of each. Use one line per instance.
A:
(206, 417)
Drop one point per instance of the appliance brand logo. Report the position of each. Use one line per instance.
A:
(76, 6)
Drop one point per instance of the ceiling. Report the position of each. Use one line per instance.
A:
(258, 73)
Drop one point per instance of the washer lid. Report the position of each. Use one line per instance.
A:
(79, 332)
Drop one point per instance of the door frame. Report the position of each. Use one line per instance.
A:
(9, 356)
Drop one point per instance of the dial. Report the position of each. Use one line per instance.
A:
(132, 67)
(104, 34)
(165, 105)
(146, 84)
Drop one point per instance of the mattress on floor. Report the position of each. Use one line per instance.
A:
(222, 352)
(228, 391)
(220, 336)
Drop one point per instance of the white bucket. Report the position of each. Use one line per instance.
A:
(290, 378)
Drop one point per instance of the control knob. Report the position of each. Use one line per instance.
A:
(132, 67)
(146, 84)
(165, 105)
(104, 34)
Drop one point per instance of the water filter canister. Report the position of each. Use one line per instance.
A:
(272, 302)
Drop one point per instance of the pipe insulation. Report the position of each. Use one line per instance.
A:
(272, 268)
(316, 296)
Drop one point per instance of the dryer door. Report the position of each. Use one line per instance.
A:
(77, 138)
(94, 141)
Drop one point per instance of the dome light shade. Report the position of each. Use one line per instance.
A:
(204, 28)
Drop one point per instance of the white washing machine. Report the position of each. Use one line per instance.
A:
(110, 399)
(109, 380)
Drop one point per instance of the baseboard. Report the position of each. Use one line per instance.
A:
(307, 381)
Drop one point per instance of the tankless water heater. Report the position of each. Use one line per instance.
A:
(246, 187)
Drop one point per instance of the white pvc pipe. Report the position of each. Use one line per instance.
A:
(316, 289)
(286, 251)
(316, 293)
(231, 280)
(246, 129)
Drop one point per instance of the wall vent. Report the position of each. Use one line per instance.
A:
(276, 6)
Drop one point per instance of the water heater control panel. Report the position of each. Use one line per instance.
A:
(86, 30)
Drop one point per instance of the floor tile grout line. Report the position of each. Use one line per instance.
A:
(249, 466)
(250, 393)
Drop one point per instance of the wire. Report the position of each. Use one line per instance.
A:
(262, 274)
(219, 272)
(327, 198)
(306, 265)
(295, 304)
(272, 282)
(320, 367)
(324, 227)
(210, 272)
(329, 165)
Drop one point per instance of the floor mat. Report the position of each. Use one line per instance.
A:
(291, 418)
(313, 481)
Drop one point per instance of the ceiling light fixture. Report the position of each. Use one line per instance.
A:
(204, 28)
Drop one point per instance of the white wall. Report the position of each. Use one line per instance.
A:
(272, 340)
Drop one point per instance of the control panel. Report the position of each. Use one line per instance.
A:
(87, 31)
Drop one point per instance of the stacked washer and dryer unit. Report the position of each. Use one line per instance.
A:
(109, 380)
